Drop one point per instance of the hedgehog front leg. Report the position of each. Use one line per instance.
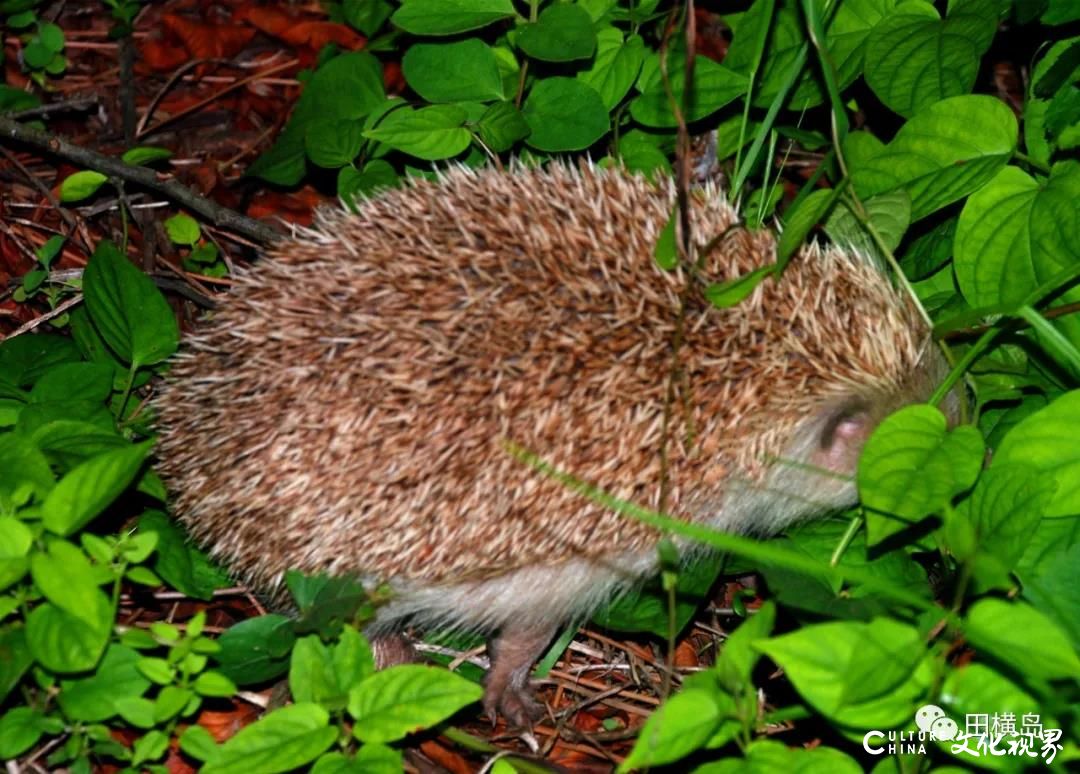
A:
(506, 689)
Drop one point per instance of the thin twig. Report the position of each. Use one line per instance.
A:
(174, 189)
(59, 310)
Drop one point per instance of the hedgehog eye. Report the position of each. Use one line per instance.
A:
(847, 424)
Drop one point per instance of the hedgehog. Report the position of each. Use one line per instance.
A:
(349, 407)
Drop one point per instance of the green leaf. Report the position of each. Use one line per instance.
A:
(368, 16)
(800, 220)
(1040, 441)
(130, 312)
(15, 658)
(333, 142)
(862, 675)
(930, 251)
(945, 152)
(182, 229)
(375, 176)
(80, 185)
(66, 578)
(453, 72)
(215, 684)
(20, 729)
(15, 541)
(889, 214)
(562, 33)
(64, 643)
(369, 759)
(1016, 234)
(978, 689)
(712, 87)
(728, 293)
(51, 36)
(23, 359)
(1004, 512)
(285, 739)
(90, 487)
(912, 467)
(180, 562)
(666, 252)
(145, 154)
(845, 40)
(616, 66)
(501, 126)
(93, 699)
(402, 699)
(1023, 638)
(430, 133)
(737, 659)
(564, 114)
(74, 381)
(681, 725)
(256, 650)
(914, 58)
(49, 249)
(348, 87)
(197, 742)
(446, 17)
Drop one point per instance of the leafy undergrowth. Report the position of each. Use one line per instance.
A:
(939, 618)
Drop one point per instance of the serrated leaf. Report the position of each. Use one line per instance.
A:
(90, 487)
(285, 739)
(402, 699)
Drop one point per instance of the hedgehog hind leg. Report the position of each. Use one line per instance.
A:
(391, 649)
(507, 691)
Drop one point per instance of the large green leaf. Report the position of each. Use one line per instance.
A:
(945, 152)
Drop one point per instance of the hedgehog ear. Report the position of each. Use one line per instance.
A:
(844, 434)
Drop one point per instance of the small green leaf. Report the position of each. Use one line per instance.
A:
(666, 251)
(682, 724)
(914, 58)
(20, 729)
(726, 294)
(214, 684)
(80, 185)
(145, 154)
(183, 229)
(197, 742)
(888, 214)
(95, 698)
(712, 87)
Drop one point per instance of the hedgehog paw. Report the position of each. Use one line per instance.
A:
(506, 690)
